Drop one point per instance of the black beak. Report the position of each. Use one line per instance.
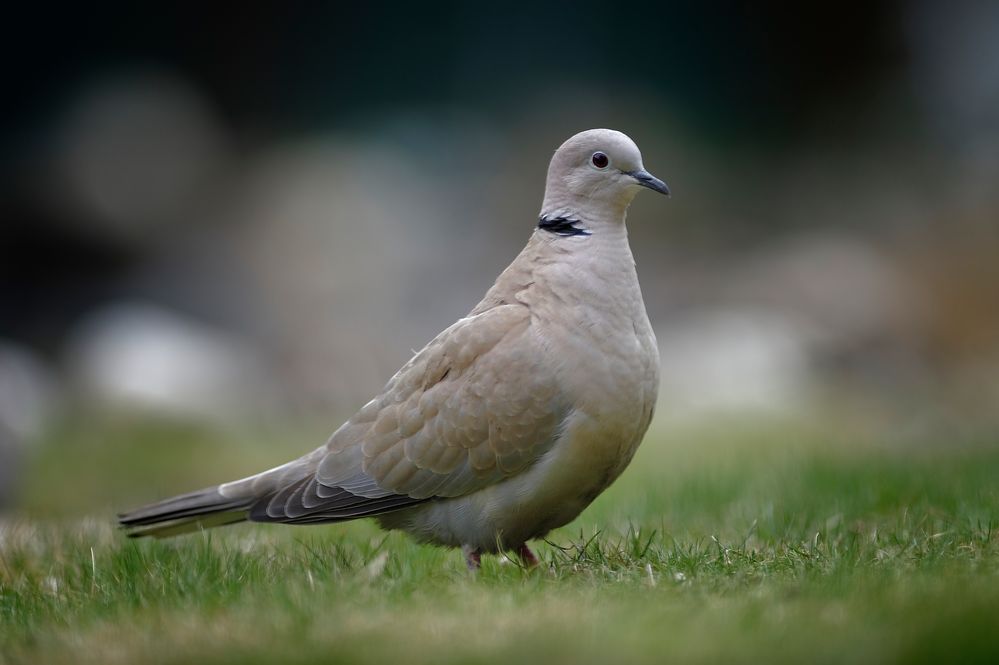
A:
(646, 179)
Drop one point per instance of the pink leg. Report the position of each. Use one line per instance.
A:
(473, 558)
(527, 556)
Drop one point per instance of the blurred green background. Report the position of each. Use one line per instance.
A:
(224, 229)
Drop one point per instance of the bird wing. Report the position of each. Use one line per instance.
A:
(477, 405)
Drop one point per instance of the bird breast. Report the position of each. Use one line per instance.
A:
(589, 314)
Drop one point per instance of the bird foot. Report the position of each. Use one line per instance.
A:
(473, 558)
(526, 556)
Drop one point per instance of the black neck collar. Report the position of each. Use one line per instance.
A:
(562, 226)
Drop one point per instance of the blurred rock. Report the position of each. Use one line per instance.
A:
(28, 391)
(342, 242)
(27, 400)
(786, 324)
(739, 360)
(138, 355)
(854, 307)
(11, 458)
(838, 284)
(135, 153)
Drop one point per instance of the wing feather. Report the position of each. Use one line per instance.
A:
(476, 406)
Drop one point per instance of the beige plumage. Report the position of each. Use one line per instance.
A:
(508, 423)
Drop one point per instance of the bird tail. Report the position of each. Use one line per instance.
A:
(195, 511)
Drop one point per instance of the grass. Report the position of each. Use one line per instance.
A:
(738, 545)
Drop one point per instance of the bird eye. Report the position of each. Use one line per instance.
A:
(600, 160)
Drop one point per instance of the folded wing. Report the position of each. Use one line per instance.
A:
(477, 405)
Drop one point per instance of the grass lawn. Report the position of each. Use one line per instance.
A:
(742, 544)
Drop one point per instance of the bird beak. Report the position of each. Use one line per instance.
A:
(646, 179)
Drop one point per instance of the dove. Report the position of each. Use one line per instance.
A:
(511, 421)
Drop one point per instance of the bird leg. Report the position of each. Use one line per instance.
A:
(526, 556)
(473, 557)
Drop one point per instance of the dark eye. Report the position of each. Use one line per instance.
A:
(600, 160)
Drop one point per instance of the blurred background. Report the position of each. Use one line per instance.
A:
(234, 225)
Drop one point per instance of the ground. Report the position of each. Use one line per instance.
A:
(727, 544)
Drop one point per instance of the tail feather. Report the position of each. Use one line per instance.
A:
(273, 496)
(185, 513)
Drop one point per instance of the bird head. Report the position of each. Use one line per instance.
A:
(598, 168)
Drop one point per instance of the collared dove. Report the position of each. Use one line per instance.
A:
(511, 421)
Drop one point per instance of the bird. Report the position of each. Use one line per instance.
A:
(511, 421)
